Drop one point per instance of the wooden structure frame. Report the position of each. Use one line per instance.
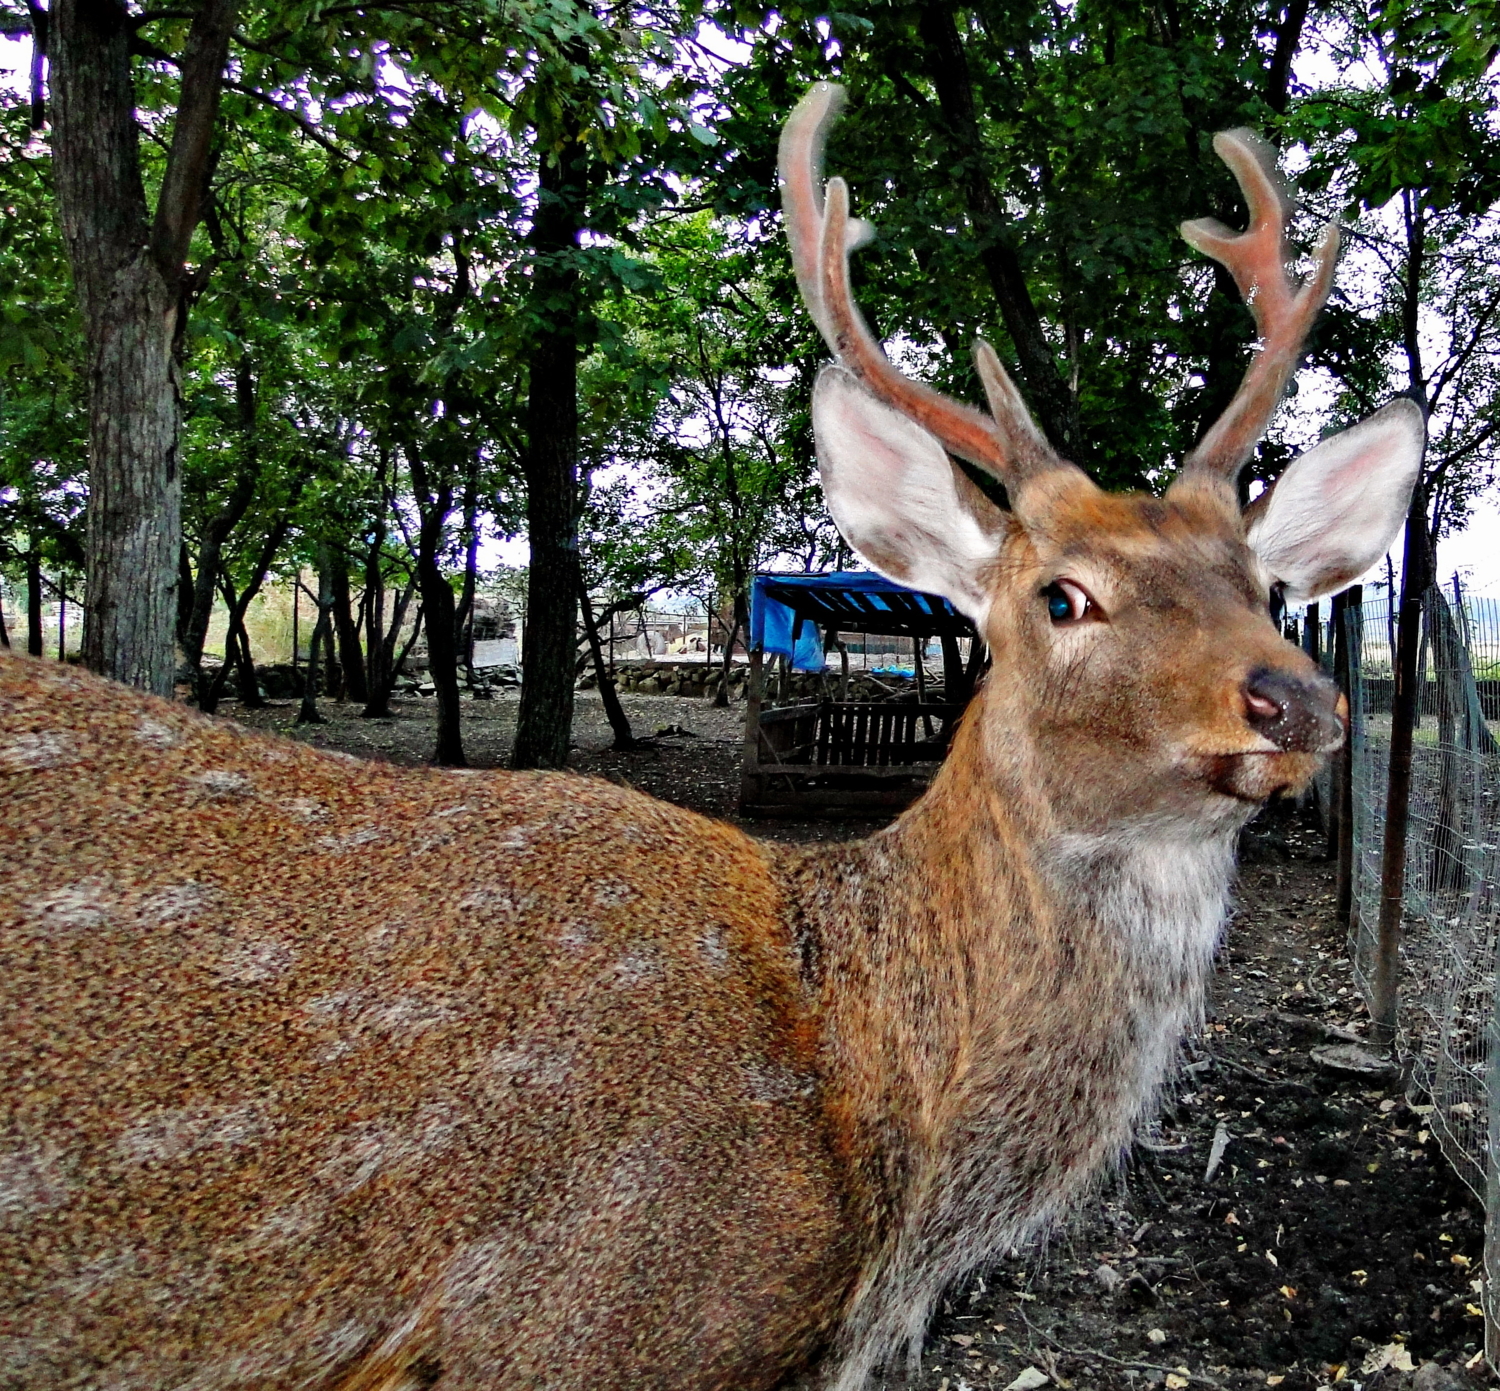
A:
(837, 757)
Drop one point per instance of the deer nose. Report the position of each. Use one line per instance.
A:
(1299, 714)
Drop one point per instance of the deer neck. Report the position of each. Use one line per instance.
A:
(1002, 998)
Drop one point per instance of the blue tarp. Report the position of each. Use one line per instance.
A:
(773, 621)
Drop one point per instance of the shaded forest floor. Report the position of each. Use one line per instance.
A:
(1332, 1245)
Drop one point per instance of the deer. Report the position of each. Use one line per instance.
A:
(344, 1076)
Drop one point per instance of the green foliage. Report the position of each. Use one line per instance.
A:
(367, 291)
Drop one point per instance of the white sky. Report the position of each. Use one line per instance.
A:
(1474, 553)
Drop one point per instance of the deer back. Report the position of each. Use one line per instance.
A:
(321, 1072)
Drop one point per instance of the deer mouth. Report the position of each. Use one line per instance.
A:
(1256, 775)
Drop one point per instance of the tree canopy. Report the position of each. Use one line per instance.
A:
(477, 271)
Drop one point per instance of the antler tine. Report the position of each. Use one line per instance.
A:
(1283, 310)
(960, 429)
(800, 161)
(822, 235)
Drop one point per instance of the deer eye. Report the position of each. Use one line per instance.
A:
(1066, 602)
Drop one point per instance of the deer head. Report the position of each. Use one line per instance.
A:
(1136, 669)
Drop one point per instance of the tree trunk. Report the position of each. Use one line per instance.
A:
(246, 682)
(1415, 578)
(377, 651)
(34, 600)
(437, 604)
(545, 721)
(613, 710)
(1351, 621)
(740, 624)
(322, 638)
(351, 659)
(193, 624)
(382, 663)
(239, 605)
(128, 272)
(463, 619)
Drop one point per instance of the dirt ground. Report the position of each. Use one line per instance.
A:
(1331, 1245)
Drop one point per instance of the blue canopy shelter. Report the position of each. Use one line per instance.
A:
(826, 756)
(787, 613)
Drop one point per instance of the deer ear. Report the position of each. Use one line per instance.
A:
(899, 500)
(1337, 508)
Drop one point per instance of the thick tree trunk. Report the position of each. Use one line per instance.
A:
(128, 269)
(545, 722)
(1279, 74)
(134, 524)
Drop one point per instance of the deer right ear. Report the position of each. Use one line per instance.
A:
(898, 499)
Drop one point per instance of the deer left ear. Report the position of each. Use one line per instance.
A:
(1337, 508)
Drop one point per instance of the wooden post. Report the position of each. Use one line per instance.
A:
(1338, 770)
(1414, 579)
(920, 672)
(754, 698)
(1348, 621)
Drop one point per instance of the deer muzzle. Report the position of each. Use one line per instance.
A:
(1297, 713)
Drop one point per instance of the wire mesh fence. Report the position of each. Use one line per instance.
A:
(1450, 919)
(1449, 937)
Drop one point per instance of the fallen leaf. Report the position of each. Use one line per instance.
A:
(1392, 1355)
(1275, 1380)
(1175, 1382)
(1290, 1291)
(962, 1339)
(1029, 1380)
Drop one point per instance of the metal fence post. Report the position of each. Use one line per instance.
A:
(1488, 1301)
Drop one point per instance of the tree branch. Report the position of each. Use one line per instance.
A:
(202, 69)
(305, 126)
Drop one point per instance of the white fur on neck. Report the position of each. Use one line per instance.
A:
(1161, 883)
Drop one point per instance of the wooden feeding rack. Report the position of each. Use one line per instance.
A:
(833, 756)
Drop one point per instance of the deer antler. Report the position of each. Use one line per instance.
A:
(822, 235)
(1283, 310)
